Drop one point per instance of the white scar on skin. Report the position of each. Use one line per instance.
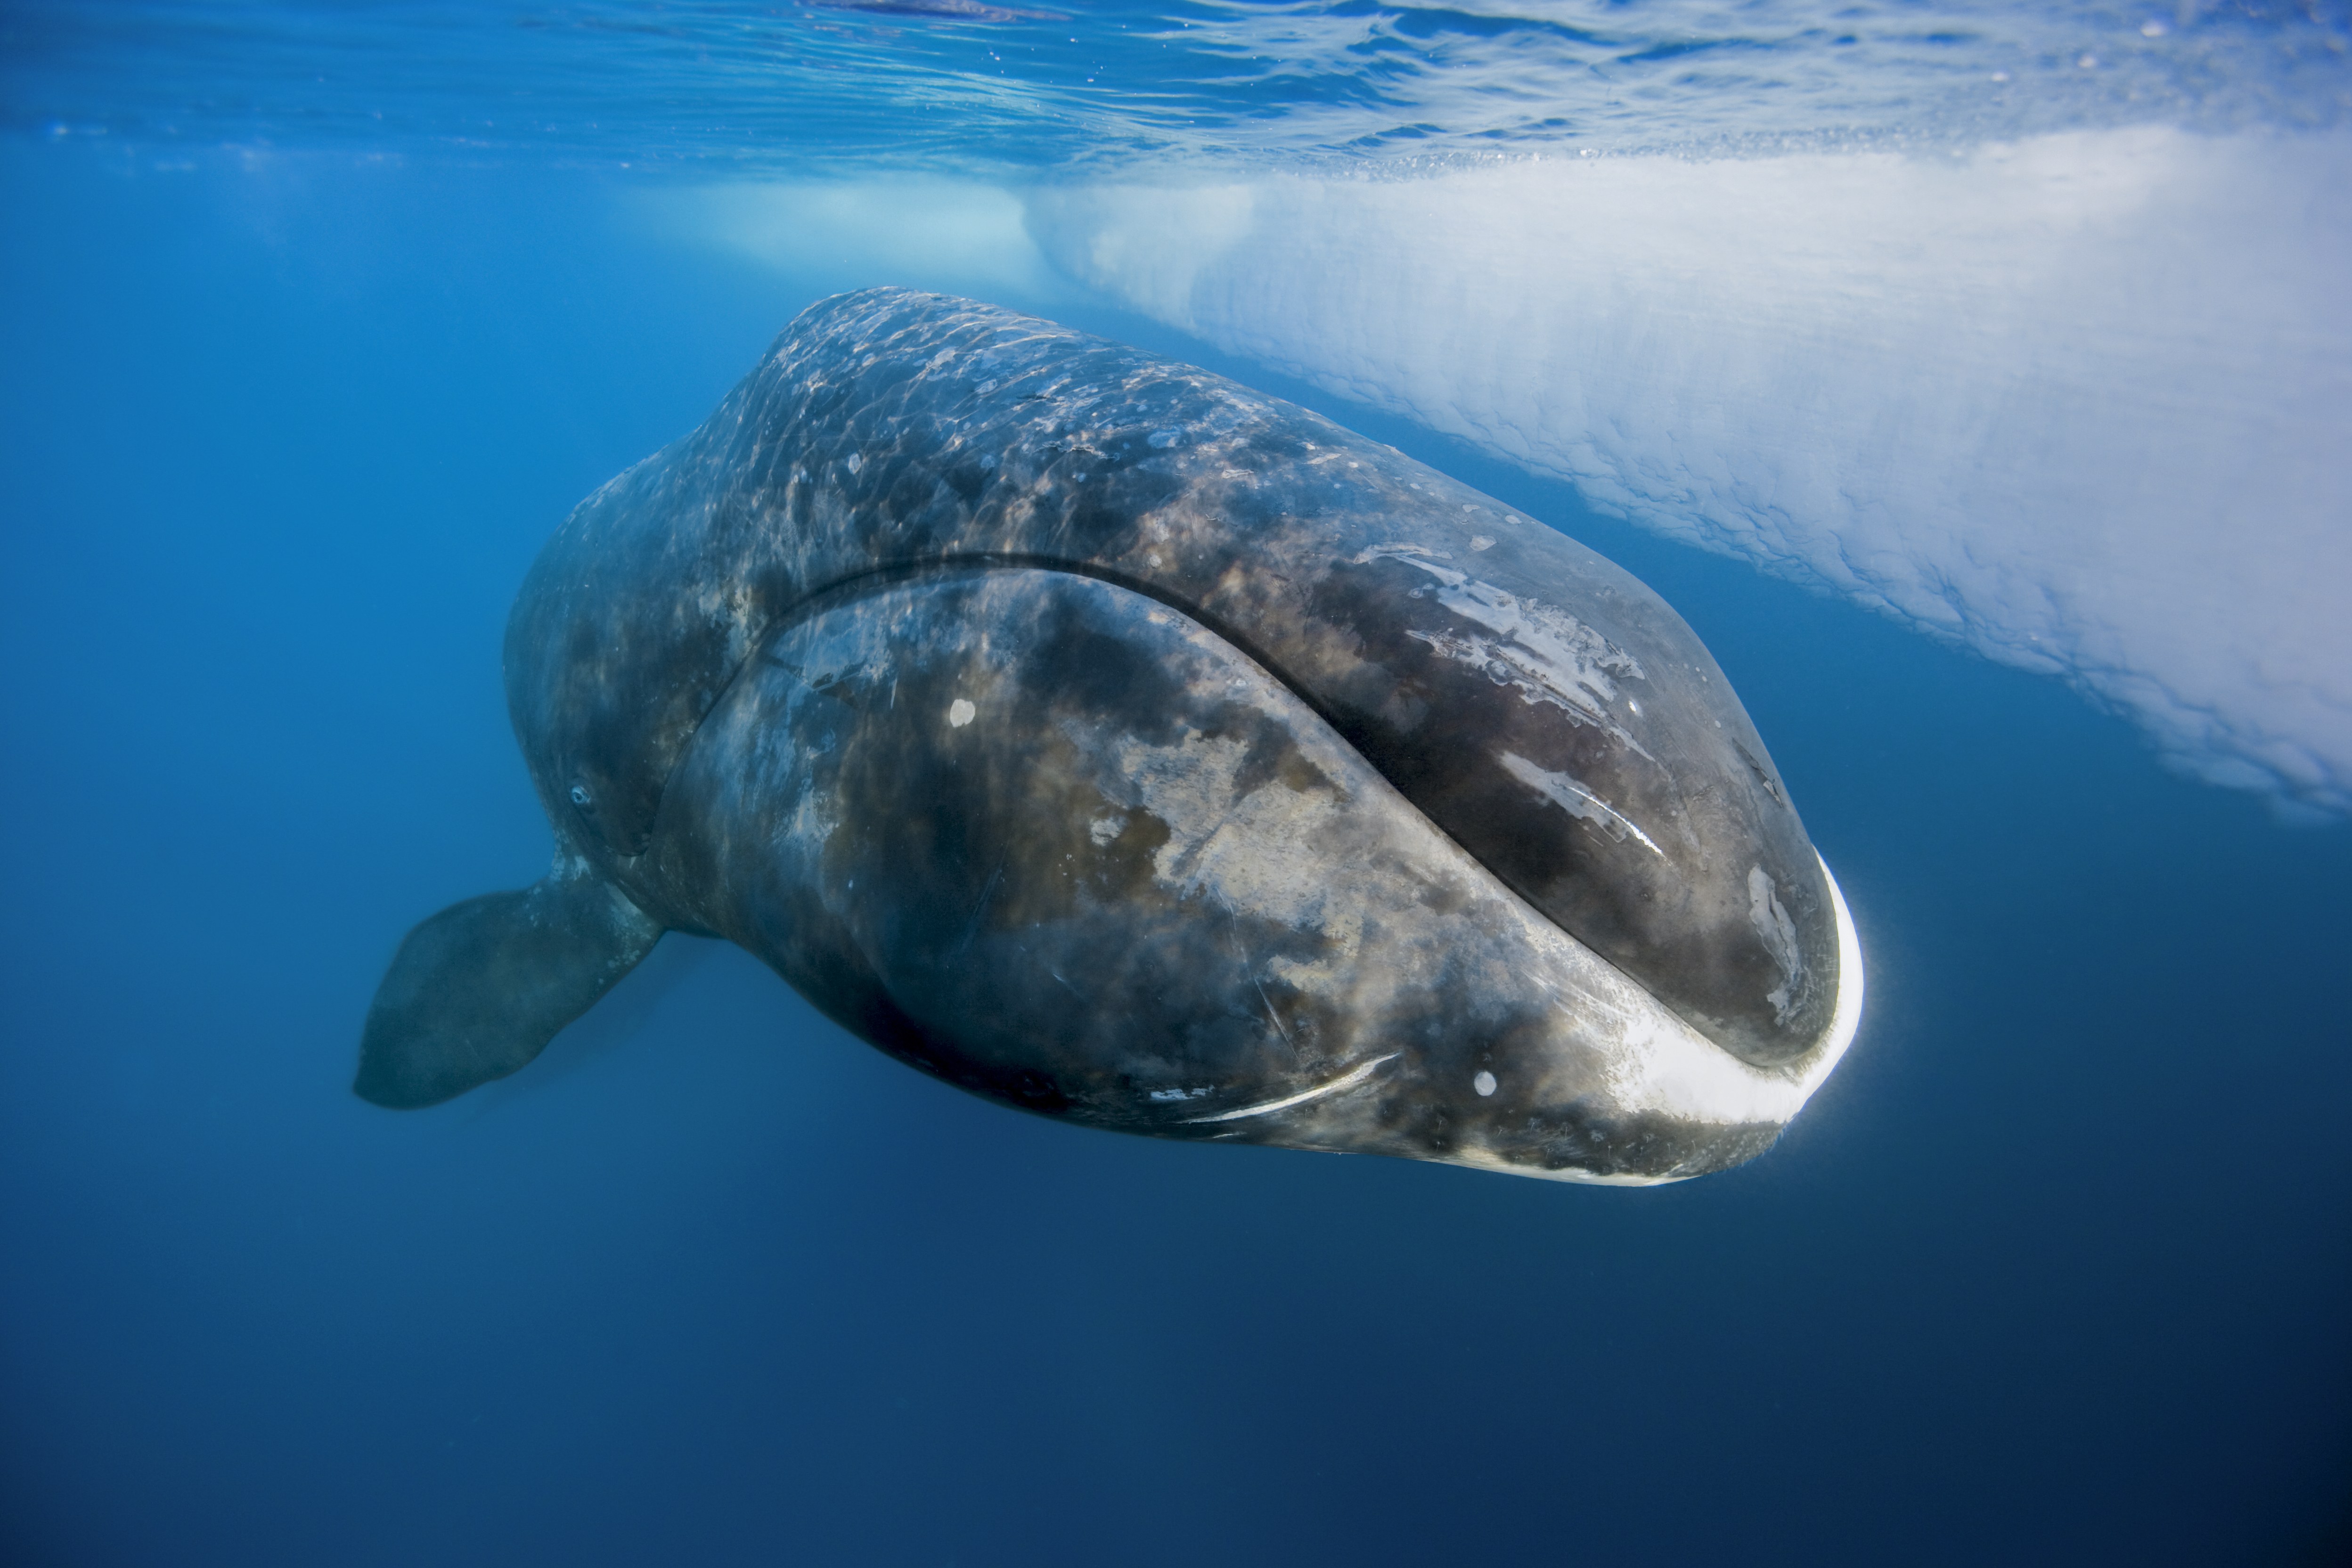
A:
(1778, 934)
(1345, 1080)
(1576, 800)
(1550, 655)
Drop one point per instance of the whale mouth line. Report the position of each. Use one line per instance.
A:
(1346, 1080)
(885, 576)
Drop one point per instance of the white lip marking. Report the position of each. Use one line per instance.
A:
(1345, 1080)
(1847, 1017)
(1576, 800)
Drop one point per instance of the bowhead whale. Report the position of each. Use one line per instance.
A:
(1130, 747)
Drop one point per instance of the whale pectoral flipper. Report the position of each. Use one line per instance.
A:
(476, 991)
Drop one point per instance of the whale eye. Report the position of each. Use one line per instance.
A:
(581, 797)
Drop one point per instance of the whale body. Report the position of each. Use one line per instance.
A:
(1132, 748)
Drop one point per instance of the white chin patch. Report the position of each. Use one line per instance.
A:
(1672, 1070)
(1848, 1016)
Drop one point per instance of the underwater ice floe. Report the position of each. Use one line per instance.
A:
(2078, 401)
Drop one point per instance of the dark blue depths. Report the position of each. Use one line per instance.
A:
(2058, 1264)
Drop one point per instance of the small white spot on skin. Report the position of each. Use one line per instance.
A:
(1164, 439)
(960, 713)
(1103, 830)
(1355, 465)
(1151, 560)
(853, 463)
(1635, 706)
(1484, 1083)
(1480, 541)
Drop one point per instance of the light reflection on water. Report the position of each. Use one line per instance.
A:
(944, 84)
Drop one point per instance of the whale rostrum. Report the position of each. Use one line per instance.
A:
(1127, 746)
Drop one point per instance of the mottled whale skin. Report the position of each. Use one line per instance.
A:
(1127, 746)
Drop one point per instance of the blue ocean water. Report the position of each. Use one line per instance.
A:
(2057, 1266)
